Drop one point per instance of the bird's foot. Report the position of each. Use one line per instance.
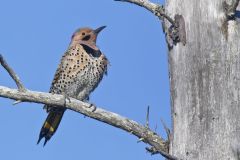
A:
(92, 106)
(65, 100)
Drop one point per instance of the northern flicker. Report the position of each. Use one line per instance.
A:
(81, 69)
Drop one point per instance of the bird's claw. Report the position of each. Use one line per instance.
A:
(92, 105)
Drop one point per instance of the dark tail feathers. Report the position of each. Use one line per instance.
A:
(50, 125)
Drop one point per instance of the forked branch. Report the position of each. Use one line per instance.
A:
(12, 74)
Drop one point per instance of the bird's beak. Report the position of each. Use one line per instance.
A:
(96, 31)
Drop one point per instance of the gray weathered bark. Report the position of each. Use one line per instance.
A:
(205, 82)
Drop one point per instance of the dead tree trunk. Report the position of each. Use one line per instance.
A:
(205, 81)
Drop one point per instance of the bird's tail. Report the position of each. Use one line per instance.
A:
(51, 124)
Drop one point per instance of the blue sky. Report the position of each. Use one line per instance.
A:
(35, 34)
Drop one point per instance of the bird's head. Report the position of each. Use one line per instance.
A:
(86, 36)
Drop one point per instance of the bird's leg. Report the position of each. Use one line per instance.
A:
(65, 97)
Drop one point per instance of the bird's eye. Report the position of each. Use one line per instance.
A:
(86, 38)
(83, 33)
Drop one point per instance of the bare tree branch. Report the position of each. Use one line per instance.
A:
(144, 133)
(12, 74)
(99, 114)
(156, 9)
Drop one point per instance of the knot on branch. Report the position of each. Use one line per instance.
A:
(176, 32)
(229, 7)
(159, 11)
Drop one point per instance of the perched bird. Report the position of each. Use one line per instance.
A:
(81, 69)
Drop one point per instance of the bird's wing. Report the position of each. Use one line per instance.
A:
(72, 63)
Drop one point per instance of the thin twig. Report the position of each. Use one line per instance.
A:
(12, 74)
(156, 9)
(155, 129)
(147, 118)
(140, 140)
(167, 130)
(17, 102)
